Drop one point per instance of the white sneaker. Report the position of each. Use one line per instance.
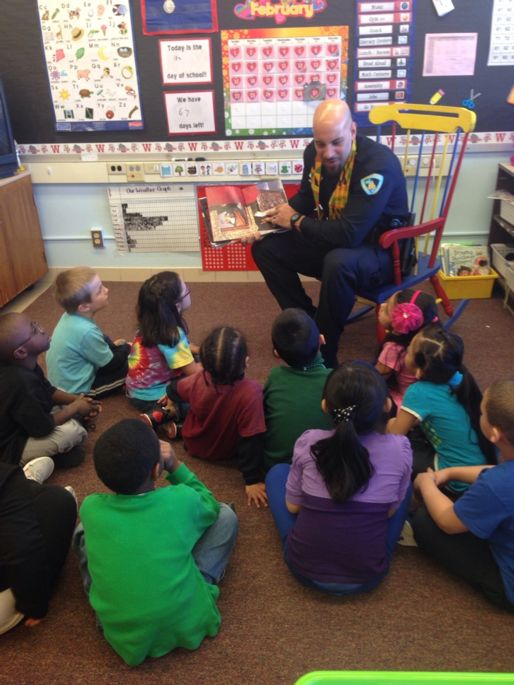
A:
(406, 538)
(73, 493)
(39, 469)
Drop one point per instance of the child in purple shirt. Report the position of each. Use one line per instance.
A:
(341, 505)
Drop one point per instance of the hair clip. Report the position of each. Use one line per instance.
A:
(340, 415)
(455, 380)
(406, 317)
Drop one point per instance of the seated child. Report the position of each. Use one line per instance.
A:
(36, 419)
(474, 537)
(402, 315)
(37, 525)
(81, 358)
(160, 350)
(445, 401)
(225, 419)
(150, 557)
(340, 507)
(292, 393)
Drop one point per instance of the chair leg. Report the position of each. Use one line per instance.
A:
(457, 312)
(441, 295)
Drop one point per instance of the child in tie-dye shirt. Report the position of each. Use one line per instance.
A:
(160, 350)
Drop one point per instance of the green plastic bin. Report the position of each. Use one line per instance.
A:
(402, 677)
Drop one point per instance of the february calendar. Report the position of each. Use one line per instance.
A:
(273, 79)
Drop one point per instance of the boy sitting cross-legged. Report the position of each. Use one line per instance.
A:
(151, 557)
(81, 357)
(36, 419)
(292, 394)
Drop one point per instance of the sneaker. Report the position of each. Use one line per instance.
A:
(72, 493)
(406, 538)
(71, 458)
(39, 469)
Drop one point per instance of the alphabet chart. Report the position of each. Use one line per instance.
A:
(91, 65)
(273, 79)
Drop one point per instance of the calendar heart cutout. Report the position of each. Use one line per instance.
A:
(236, 66)
(332, 64)
(300, 65)
(267, 51)
(333, 49)
(234, 52)
(283, 52)
(283, 66)
(252, 95)
(237, 96)
(315, 93)
(299, 50)
(315, 49)
(331, 78)
(298, 93)
(283, 93)
(251, 66)
(283, 79)
(251, 80)
(315, 64)
(250, 52)
(299, 79)
(268, 94)
(331, 92)
(267, 80)
(268, 66)
(235, 81)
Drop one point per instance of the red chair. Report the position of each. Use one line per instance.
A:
(430, 141)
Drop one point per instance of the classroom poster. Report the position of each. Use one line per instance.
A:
(91, 65)
(450, 54)
(501, 47)
(273, 79)
(178, 16)
(189, 113)
(384, 54)
(186, 61)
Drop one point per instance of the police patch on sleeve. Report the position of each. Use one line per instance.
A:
(371, 184)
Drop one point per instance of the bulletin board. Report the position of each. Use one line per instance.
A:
(25, 78)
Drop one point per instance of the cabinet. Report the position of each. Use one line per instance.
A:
(501, 233)
(22, 253)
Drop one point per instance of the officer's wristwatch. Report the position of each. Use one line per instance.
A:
(294, 218)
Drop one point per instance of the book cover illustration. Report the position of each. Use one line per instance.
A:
(465, 260)
(234, 213)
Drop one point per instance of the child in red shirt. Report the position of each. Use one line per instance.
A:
(225, 419)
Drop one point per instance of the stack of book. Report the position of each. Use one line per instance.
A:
(465, 260)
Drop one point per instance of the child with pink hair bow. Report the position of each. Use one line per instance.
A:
(402, 315)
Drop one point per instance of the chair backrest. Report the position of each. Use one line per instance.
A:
(430, 141)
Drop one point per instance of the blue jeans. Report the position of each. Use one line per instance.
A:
(276, 490)
(211, 553)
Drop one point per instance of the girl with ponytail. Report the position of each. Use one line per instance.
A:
(445, 402)
(341, 505)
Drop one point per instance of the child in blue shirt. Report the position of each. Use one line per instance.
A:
(474, 537)
(81, 358)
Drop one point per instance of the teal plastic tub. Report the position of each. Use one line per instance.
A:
(402, 677)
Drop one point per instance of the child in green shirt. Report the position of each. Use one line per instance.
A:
(292, 393)
(150, 557)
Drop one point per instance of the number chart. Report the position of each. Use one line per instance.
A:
(273, 79)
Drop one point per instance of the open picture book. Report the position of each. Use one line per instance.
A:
(232, 213)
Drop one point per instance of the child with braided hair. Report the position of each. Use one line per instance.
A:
(445, 402)
(341, 505)
(225, 417)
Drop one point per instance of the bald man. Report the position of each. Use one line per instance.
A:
(352, 190)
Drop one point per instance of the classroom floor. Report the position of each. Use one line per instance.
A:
(274, 629)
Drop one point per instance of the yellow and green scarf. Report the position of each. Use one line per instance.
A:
(339, 197)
